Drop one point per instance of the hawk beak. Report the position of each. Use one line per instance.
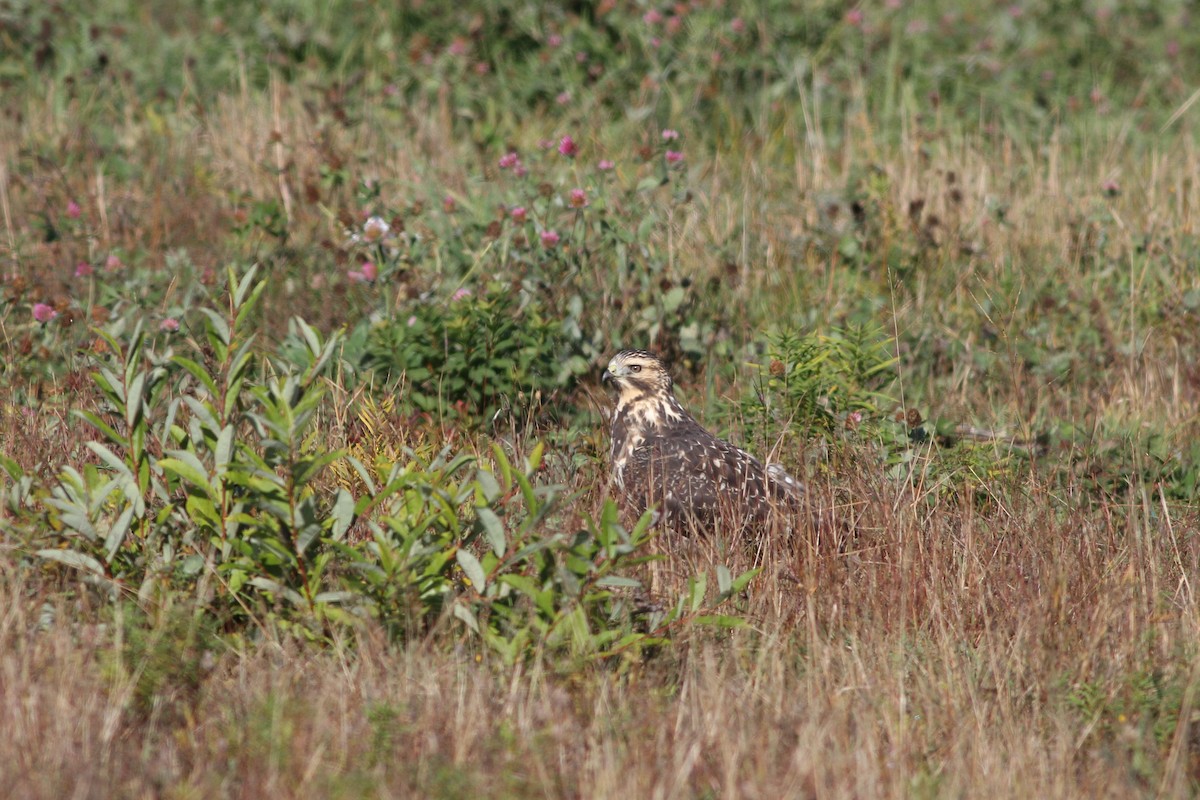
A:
(607, 376)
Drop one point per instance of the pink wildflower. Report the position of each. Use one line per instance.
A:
(509, 160)
(854, 17)
(563, 98)
(43, 313)
(554, 40)
(670, 135)
(737, 25)
(578, 198)
(674, 156)
(113, 263)
(652, 17)
(73, 209)
(518, 214)
(605, 165)
(83, 269)
(460, 293)
(448, 204)
(367, 274)
(169, 325)
(567, 146)
(549, 238)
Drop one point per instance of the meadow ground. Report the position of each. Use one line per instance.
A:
(302, 447)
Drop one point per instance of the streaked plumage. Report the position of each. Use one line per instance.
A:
(663, 457)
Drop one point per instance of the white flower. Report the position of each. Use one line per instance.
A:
(375, 229)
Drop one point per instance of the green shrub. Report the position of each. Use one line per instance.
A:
(211, 483)
(472, 357)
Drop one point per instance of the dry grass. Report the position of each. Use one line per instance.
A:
(943, 651)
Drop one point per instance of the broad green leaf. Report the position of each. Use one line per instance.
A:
(279, 590)
(94, 420)
(489, 487)
(191, 565)
(198, 372)
(75, 559)
(698, 586)
(112, 460)
(202, 512)
(116, 534)
(471, 568)
(187, 467)
(741, 581)
(223, 451)
(133, 408)
(619, 581)
(340, 596)
(342, 515)
(493, 529)
(11, 467)
(467, 616)
(724, 579)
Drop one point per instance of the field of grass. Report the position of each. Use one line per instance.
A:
(303, 484)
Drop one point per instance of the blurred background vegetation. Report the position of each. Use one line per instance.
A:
(303, 305)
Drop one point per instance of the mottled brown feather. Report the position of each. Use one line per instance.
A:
(662, 457)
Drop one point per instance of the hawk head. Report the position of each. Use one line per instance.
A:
(636, 374)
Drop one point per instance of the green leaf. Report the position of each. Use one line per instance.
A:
(342, 515)
(223, 451)
(724, 579)
(133, 408)
(471, 568)
(198, 372)
(467, 616)
(188, 468)
(11, 467)
(720, 621)
(116, 534)
(340, 596)
(112, 460)
(202, 511)
(493, 529)
(94, 420)
(279, 590)
(741, 581)
(698, 586)
(619, 581)
(673, 299)
(489, 487)
(191, 565)
(73, 558)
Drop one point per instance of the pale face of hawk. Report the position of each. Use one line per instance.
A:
(636, 374)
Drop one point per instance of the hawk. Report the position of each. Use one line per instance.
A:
(663, 457)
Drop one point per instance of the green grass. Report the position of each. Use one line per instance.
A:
(346, 534)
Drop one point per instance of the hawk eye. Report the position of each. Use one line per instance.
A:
(635, 367)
